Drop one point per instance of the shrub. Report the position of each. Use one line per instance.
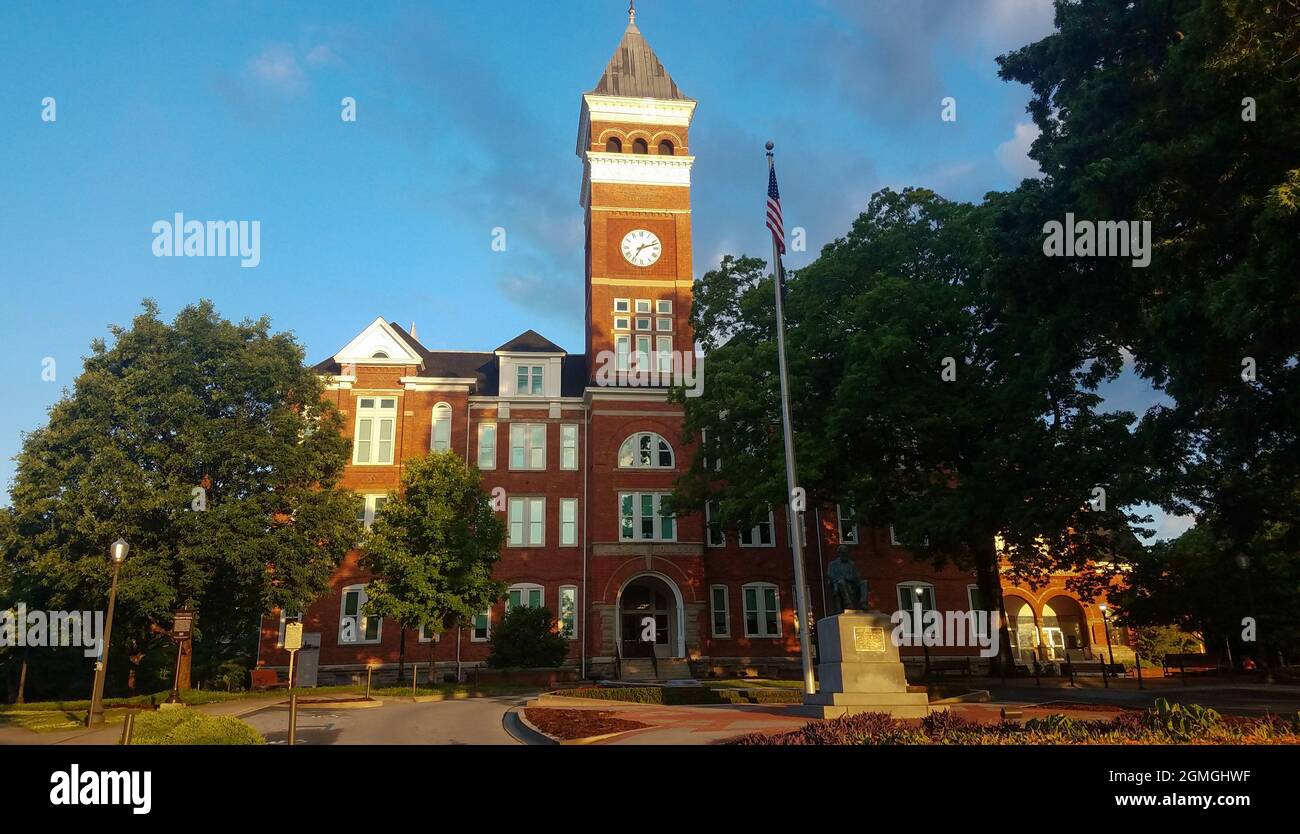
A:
(527, 638)
(187, 726)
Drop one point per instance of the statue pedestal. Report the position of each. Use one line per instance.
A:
(859, 670)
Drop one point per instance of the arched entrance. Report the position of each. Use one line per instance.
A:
(1022, 629)
(656, 596)
(1065, 632)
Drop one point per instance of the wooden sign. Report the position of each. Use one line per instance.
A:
(293, 636)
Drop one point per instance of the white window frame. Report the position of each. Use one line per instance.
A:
(441, 415)
(655, 452)
(363, 621)
(622, 323)
(525, 591)
(622, 305)
(761, 609)
(708, 528)
(893, 538)
(529, 505)
(527, 431)
(572, 592)
(623, 352)
(641, 354)
(754, 533)
(638, 517)
(568, 527)
(371, 507)
(569, 446)
(284, 619)
(911, 585)
(487, 627)
(532, 374)
(664, 354)
(484, 430)
(714, 610)
(643, 307)
(431, 637)
(664, 307)
(645, 324)
(378, 416)
(663, 324)
(839, 526)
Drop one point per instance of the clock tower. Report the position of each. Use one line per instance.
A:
(636, 177)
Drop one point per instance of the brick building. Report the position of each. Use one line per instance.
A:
(584, 465)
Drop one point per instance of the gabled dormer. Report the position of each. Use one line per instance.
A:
(378, 344)
(531, 367)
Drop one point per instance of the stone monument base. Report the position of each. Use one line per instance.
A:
(859, 670)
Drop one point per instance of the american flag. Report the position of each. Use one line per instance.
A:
(774, 210)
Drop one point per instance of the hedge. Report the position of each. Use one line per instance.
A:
(684, 695)
(187, 726)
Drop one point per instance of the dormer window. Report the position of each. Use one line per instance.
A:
(379, 354)
(528, 380)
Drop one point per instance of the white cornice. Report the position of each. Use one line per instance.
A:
(634, 169)
(653, 111)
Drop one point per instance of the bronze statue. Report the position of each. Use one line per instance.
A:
(848, 588)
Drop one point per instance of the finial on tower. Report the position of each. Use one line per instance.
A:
(631, 12)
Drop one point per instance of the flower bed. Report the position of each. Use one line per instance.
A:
(684, 695)
(569, 724)
(1165, 723)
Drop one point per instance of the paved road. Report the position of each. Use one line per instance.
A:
(470, 721)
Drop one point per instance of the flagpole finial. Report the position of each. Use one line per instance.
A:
(770, 145)
(631, 12)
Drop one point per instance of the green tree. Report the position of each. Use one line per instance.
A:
(201, 403)
(527, 637)
(917, 402)
(1182, 113)
(433, 547)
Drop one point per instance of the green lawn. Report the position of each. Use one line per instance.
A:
(751, 683)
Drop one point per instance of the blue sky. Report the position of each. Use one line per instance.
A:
(466, 121)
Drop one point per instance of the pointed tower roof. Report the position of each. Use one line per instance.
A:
(635, 71)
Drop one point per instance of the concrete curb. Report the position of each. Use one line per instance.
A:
(522, 730)
(371, 704)
(975, 696)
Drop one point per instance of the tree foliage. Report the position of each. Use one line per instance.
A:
(198, 403)
(527, 637)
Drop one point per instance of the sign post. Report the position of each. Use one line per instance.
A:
(292, 643)
(182, 631)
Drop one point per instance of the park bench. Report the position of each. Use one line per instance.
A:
(963, 666)
(1093, 667)
(263, 679)
(1190, 660)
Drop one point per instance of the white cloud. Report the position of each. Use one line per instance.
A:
(277, 67)
(1014, 153)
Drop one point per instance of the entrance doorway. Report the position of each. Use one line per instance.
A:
(652, 597)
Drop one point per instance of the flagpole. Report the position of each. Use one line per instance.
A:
(795, 519)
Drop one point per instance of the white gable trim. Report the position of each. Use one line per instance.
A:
(378, 336)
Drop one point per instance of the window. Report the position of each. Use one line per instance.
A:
(568, 445)
(622, 305)
(848, 530)
(528, 380)
(441, 428)
(664, 353)
(428, 635)
(645, 450)
(569, 612)
(760, 535)
(524, 595)
(713, 534)
(622, 348)
(664, 306)
(720, 616)
(370, 507)
(642, 358)
(354, 625)
(664, 324)
(894, 540)
(482, 629)
(487, 445)
(793, 521)
(622, 323)
(762, 610)
(527, 522)
(643, 323)
(614, 145)
(709, 445)
(911, 593)
(643, 306)
(640, 146)
(285, 619)
(568, 522)
(665, 148)
(527, 445)
(973, 597)
(640, 517)
(376, 421)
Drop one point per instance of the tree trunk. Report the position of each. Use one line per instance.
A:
(187, 655)
(988, 577)
(401, 655)
(22, 681)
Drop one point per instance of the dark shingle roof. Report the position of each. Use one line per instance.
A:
(636, 71)
(530, 341)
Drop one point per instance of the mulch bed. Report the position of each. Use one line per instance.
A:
(1079, 706)
(568, 724)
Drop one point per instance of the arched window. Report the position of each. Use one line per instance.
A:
(640, 146)
(614, 145)
(645, 450)
(665, 148)
(525, 594)
(441, 428)
(379, 354)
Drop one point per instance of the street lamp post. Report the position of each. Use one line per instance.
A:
(1243, 562)
(95, 717)
(1105, 626)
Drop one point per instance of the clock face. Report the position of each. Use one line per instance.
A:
(641, 248)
